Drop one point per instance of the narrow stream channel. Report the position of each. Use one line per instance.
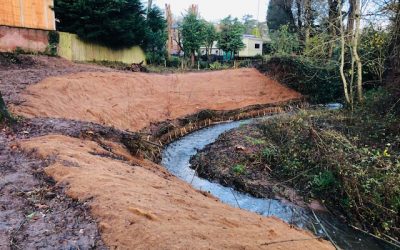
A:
(176, 157)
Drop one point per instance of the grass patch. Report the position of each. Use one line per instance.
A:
(239, 169)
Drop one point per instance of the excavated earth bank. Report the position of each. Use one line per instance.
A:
(133, 101)
(136, 203)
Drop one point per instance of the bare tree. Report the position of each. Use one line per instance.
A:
(351, 17)
(349, 99)
(355, 43)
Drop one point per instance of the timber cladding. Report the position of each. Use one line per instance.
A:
(75, 49)
(34, 14)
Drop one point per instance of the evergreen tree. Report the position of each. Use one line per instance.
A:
(156, 36)
(280, 13)
(230, 37)
(115, 23)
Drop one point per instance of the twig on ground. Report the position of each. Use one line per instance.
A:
(323, 228)
(284, 241)
(235, 198)
(395, 243)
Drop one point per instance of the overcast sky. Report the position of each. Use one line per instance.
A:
(214, 10)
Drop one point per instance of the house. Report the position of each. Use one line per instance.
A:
(25, 24)
(214, 50)
(253, 46)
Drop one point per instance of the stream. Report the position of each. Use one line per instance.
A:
(176, 157)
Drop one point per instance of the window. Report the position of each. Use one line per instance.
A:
(257, 46)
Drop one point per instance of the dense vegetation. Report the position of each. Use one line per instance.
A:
(324, 48)
(114, 23)
(320, 84)
(349, 160)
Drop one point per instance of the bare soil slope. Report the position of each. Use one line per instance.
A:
(133, 101)
(140, 205)
(137, 204)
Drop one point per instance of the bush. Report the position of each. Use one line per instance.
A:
(218, 66)
(155, 58)
(174, 61)
(374, 52)
(319, 83)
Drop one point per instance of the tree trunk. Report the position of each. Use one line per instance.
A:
(342, 58)
(4, 114)
(351, 18)
(299, 23)
(333, 20)
(193, 59)
(307, 23)
(298, 6)
(395, 44)
(149, 4)
(356, 38)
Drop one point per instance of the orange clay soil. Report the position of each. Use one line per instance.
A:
(139, 205)
(133, 100)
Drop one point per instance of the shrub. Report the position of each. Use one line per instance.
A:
(320, 83)
(174, 61)
(374, 51)
(218, 66)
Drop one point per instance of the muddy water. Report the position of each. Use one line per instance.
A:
(176, 157)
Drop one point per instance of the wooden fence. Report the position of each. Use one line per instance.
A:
(74, 49)
(34, 14)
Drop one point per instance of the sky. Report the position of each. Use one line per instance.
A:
(215, 10)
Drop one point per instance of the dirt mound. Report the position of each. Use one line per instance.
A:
(139, 205)
(134, 100)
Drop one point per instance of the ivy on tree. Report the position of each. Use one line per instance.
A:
(115, 23)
